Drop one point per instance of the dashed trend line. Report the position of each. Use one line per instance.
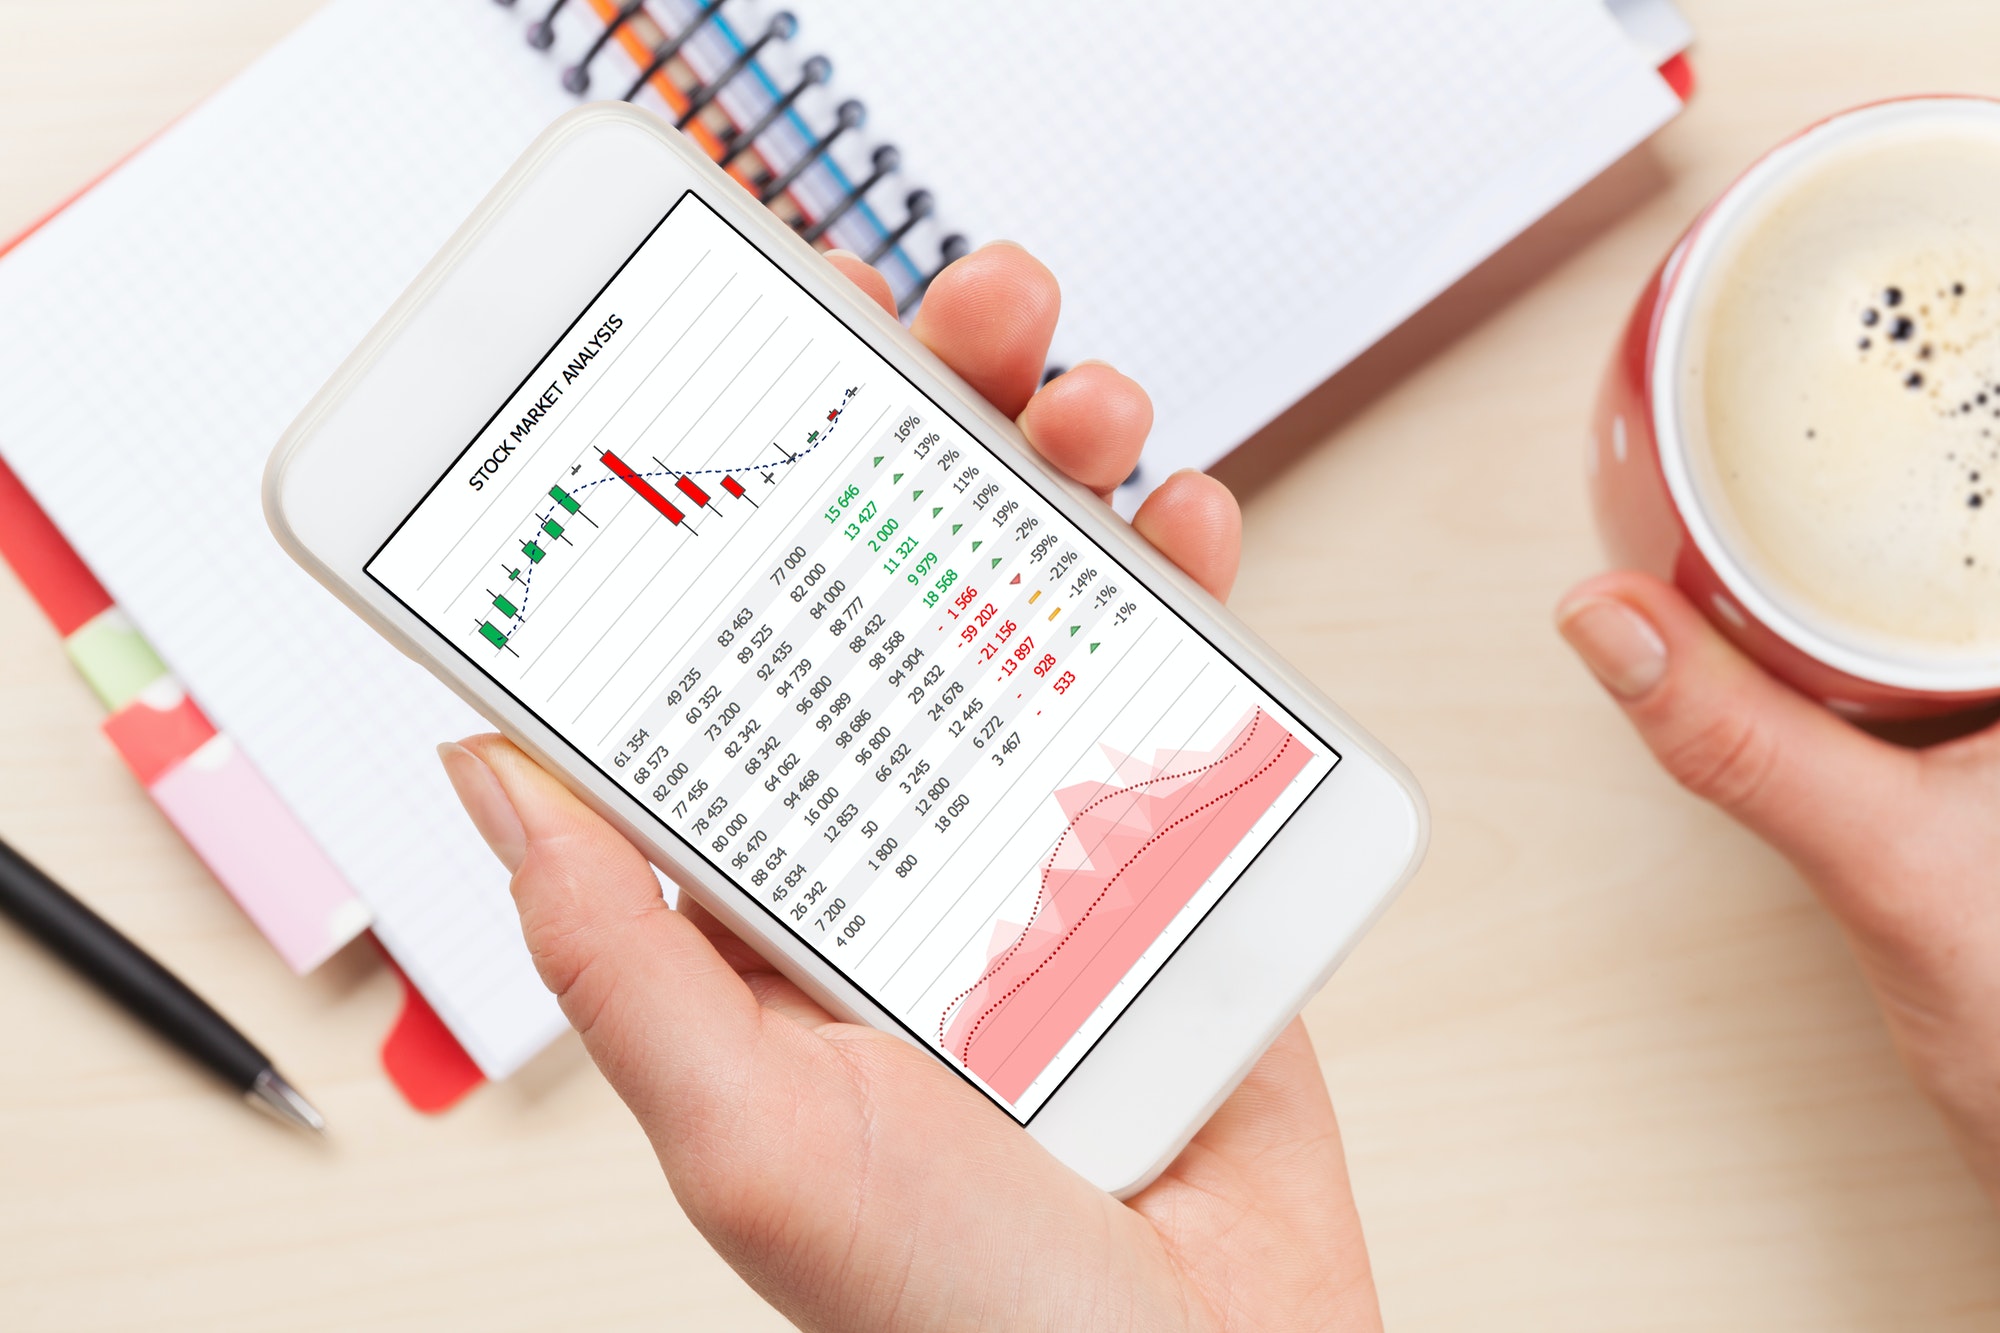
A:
(993, 966)
(973, 1034)
(527, 584)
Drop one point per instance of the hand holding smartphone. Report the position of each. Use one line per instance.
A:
(770, 590)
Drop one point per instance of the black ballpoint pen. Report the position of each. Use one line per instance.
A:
(147, 990)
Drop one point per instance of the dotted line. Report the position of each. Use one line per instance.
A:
(527, 586)
(521, 607)
(1269, 764)
(1041, 893)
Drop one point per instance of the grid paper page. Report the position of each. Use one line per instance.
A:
(1244, 199)
(158, 337)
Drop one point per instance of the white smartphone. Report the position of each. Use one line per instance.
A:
(647, 482)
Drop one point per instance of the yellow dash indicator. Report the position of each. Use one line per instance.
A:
(1053, 614)
(1035, 597)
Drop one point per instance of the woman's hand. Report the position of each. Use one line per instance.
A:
(1903, 846)
(851, 1179)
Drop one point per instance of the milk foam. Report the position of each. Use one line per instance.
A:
(1843, 394)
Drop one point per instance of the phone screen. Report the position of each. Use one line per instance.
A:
(846, 655)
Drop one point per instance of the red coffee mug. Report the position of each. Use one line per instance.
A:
(1649, 513)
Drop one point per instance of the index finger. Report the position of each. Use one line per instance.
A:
(991, 316)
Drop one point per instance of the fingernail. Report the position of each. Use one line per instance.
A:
(843, 254)
(485, 800)
(1619, 645)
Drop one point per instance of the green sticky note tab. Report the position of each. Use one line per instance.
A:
(898, 477)
(1074, 630)
(918, 495)
(996, 562)
(955, 527)
(115, 659)
(878, 459)
(977, 545)
(1093, 647)
(937, 511)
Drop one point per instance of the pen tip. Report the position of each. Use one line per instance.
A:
(271, 1093)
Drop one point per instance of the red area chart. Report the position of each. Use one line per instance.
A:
(1139, 846)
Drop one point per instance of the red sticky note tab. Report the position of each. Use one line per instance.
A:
(48, 566)
(152, 740)
(1679, 74)
(422, 1058)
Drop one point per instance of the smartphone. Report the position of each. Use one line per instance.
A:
(639, 475)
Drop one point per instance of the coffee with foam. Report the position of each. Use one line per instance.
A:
(1841, 398)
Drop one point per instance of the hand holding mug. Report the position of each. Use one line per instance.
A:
(1794, 456)
(1903, 846)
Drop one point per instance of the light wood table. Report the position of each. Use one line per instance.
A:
(1605, 1066)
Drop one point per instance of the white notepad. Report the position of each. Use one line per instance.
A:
(1251, 196)
(1236, 206)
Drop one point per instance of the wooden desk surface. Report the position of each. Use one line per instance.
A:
(1605, 1066)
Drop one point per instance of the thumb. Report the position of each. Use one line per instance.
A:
(1823, 793)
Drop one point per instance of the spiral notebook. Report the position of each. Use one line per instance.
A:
(1237, 202)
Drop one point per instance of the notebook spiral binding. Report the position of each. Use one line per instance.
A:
(659, 43)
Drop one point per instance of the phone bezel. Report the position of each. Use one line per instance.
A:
(482, 314)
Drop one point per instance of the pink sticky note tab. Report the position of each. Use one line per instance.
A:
(261, 853)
